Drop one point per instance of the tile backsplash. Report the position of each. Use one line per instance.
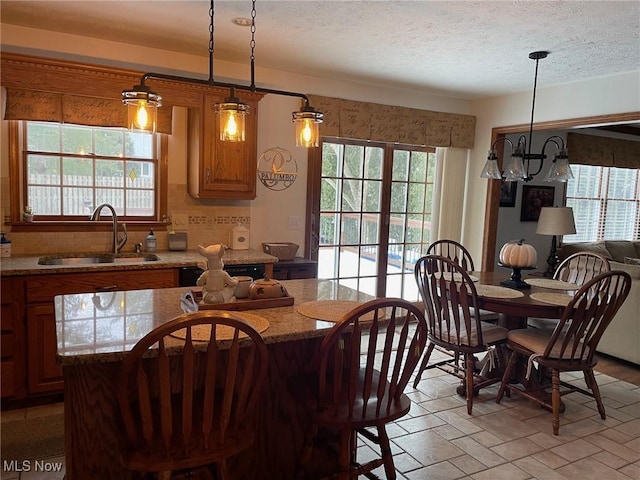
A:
(205, 222)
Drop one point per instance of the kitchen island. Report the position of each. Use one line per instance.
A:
(95, 331)
(28, 370)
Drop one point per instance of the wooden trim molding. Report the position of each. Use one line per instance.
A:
(59, 88)
(493, 189)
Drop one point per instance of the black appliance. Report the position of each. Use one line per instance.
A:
(188, 276)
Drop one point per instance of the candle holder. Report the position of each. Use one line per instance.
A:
(516, 277)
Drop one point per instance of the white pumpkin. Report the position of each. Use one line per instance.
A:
(518, 254)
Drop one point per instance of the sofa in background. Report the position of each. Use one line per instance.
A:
(622, 337)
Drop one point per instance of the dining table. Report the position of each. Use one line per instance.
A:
(541, 297)
(96, 330)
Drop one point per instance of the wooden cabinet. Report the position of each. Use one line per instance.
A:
(13, 361)
(43, 374)
(295, 269)
(222, 169)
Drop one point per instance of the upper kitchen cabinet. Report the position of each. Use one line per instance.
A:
(220, 169)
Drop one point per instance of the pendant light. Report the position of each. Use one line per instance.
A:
(231, 118)
(518, 167)
(142, 108)
(142, 102)
(307, 122)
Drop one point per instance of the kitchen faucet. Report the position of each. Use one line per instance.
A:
(117, 244)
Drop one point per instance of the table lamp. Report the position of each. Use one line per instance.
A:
(555, 221)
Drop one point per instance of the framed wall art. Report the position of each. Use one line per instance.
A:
(534, 197)
(508, 193)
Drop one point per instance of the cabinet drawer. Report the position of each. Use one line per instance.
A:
(295, 269)
(302, 272)
(43, 288)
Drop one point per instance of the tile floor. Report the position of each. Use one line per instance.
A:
(513, 440)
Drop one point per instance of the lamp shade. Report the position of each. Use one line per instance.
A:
(556, 221)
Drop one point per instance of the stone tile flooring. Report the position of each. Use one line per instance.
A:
(513, 440)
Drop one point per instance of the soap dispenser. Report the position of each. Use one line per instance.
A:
(152, 242)
(5, 246)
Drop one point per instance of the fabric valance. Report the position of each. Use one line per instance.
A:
(603, 151)
(387, 123)
(64, 108)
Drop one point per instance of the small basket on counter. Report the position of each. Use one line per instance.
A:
(282, 250)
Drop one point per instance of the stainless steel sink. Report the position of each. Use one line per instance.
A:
(93, 258)
(135, 257)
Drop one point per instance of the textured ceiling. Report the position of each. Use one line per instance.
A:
(464, 49)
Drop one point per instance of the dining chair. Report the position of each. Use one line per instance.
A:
(364, 364)
(459, 254)
(451, 309)
(188, 398)
(570, 346)
(577, 268)
(454, 251)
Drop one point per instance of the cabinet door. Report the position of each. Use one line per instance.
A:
(45, 375)
(220, 169)
(12, 365)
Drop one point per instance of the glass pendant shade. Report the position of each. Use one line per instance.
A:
(231, 117)
(515, 170)
(307, 122)
(560, 170)
(142, 109)
(491, 169)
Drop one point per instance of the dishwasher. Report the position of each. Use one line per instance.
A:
(188, 276)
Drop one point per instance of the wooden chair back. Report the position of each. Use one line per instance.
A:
(582, 267)
(586, 318)
(187, 398)
(451, 304)
(453, 251)
(367, 358)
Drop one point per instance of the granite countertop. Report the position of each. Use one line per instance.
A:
(103, 327)
(28, 264)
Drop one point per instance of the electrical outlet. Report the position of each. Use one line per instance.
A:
(180, 220)
(295, 222)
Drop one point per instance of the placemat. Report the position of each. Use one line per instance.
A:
(495, 291)
(561, 299)
(551, 283)
(328, 310)
(223, 332)
(456, 276)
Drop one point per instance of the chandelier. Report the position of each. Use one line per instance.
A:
(519, 165)
(143, 103)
